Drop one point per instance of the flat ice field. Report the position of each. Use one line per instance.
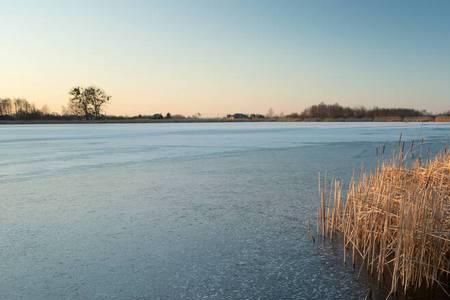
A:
(179, 211)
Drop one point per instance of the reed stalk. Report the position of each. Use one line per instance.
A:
(397, 220)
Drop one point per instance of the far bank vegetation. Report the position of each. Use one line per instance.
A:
(89, 104)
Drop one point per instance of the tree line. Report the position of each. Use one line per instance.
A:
(20, 109)
(84, 103)
(337, 111)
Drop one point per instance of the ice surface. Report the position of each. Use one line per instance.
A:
(178, 211)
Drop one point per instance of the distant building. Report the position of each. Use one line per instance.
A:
(237, 116)
(256, 116)
(157, 116)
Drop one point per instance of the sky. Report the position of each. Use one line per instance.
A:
(217, 57)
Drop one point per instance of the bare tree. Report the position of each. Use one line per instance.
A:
(78, 102)
(196, 116)
(45, 110)
(5, 107)
(88, 101)
(97, 99)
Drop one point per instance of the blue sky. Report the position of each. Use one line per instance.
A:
(218, 57)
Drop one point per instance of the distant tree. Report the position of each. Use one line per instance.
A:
(293, 116)
(78, 103)
(25, 110)
(178, 117)
(5, 107)
(45, 110)
(20, 106)
(88, 102)
(168, 116)
(359, 112)
(97, 98)
(196, 116)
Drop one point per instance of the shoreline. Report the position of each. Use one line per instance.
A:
(221, 120)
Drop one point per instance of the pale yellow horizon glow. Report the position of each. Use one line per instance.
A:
(208, 98)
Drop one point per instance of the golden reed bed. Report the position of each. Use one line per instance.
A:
(397, 220)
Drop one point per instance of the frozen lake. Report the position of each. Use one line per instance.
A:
(178, 211)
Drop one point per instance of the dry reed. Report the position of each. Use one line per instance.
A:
(396, 219)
